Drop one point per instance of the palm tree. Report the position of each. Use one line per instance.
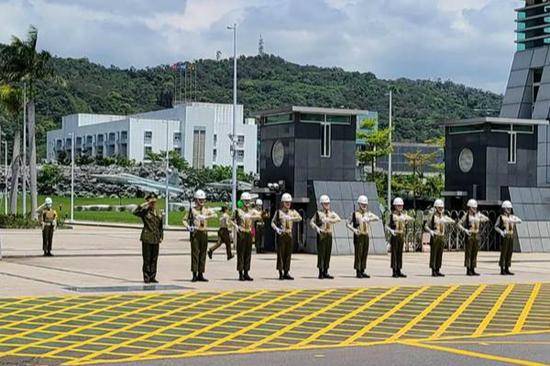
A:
(10, 99)
(20, 62)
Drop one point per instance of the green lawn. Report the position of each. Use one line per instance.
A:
(63, 207)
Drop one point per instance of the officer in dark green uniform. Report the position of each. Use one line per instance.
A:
(151, 236)
(436, 226)
(244, 220)
(506, 227)
(396, 226)
(259, 227)
(470, 224)
(197, 224)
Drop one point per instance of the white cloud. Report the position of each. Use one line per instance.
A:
(468, 41)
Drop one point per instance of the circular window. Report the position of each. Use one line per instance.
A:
(466, 160)
(278, 153)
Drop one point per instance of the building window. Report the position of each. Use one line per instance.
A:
(512, 148)
(240, 156)
(148, 150)
(89, 139)
(124, 135)
(79, 140)
(112, 136)
(199, 136)
(537, 78)
(59, 144)
(177, 138)
(100, 139)
(215, 154)
(178, 151)
(215, 139)
(148, 137)
(326, 140)
(240, 140)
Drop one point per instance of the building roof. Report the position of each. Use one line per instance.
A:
(495, 120)
(301, 109)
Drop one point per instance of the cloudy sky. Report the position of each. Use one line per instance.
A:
(468, 41)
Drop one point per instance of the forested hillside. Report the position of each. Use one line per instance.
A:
(264, 82)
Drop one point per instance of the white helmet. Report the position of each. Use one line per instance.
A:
(439, 203)
(286, 197)
(507, 204)
(259, 202)
(48, 201)
(200, 195)
(324, 199)
(363, 200)
(398, 201)
(472, 203)
(245, 196)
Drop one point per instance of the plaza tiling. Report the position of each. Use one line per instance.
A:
(80, 330)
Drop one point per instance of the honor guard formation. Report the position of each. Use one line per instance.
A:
(247, 225)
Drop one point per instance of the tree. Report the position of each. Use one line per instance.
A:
(20, 62)
(10, 98)
(417, 161)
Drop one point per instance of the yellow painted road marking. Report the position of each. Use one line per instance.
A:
(387, 315)
(423, 314)
(59, 322)
(79, 329)
(458, 312)
(462, 352)
(105, 321)
(132, 325)
(527, 309)
(346, 317)
(183, 338)
(491, 314)
(34, 307)
(261, 322)
(287, 328)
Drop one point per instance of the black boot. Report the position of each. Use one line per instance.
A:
(194, 279)
(503, 271)
(364, 275)
(508, 272)
(474, 273)
(287, 276)
(321, 274)
(281, 276)
(154, 280)
(201, 278)
(401, 274)
(358, 274)
(229, 257)
(439, 274)
(209, 253)
(468, 271)
(434, 273)
(394, 274)
(241, 276)
(247, 277)
(327, 275)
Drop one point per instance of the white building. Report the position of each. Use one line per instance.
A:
(197, 131)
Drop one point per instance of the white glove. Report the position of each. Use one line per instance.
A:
(191, 229)
(468, 232)
(247, 216)
(287, 217)
(201, 217)
(432, 232)
(502, 233)
(392, 232)
(356, 232)
(318, 230)
(279, 231)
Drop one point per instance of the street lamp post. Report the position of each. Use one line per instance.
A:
(5, 143)
(72, 175)
(167, 201)
(234, 132)
(389, 155)
(24, 164)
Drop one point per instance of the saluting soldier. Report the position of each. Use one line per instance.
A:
(359, 224)
(244, 220)
(323, 222)
(283, 223)
(224, 234)
(506, 227)
(436, 226)
(396, 226)
(151, 236)
(470, 224)
(48, 220)
(197, 224)
(260, 226)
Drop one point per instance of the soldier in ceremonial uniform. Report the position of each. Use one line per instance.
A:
(244, 220)
(436, 225)
(48, 219)
(224, 235)
(359, 224)
(470, 224)
(151, 236)
(260, 226)
(197, 224)
(506, 227)
(323, 222)
(283, 223)
(396, 226)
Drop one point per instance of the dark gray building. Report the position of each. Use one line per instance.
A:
(400, 164)
(310, 151)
